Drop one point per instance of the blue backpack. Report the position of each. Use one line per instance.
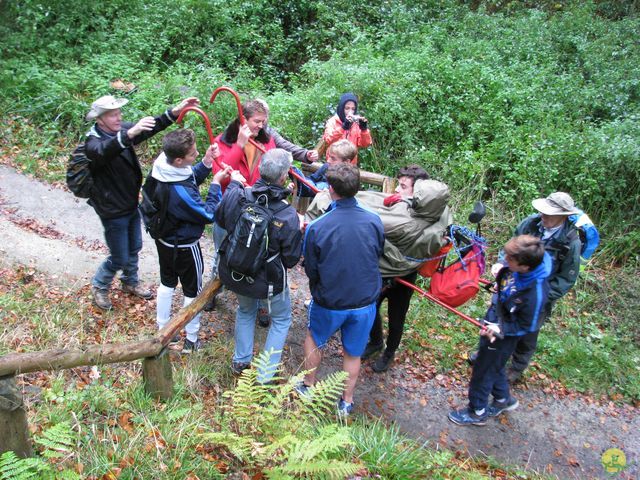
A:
(589, 236)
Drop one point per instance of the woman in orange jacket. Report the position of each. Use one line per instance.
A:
(346, 123)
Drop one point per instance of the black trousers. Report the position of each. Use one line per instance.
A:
(398, 300)
(527, 344)
(489, 375)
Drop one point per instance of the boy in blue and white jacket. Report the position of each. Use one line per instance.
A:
(517, 308)
(179, 250)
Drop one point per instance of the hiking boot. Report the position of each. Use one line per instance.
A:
(263, 318)
(238, 367)
(303, 390)
(210, 306)
(344, 408)
(514, 376)
(473, 356)
(467, 416)
(101, 298)
(190, 347)
(371, 349)
(175, 340)
(138, 290)
(383, 362)
(496, 408)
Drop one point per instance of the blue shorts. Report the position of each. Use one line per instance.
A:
(354, 325)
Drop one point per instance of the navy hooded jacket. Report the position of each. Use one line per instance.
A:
(185, 208)
(519, 305)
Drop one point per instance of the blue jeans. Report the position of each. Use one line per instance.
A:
(124, 239)
(246, 324)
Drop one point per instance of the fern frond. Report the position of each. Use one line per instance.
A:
(324, 396)
(57, 441)
(14, 468)
(318, 469)
(325, 441)
(239, 446)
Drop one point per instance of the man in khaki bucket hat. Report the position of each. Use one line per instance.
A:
(562, 242)
(117, 178)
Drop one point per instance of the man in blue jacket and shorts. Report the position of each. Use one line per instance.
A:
(341, 252)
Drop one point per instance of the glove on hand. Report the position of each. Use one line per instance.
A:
(491, 331)
(364, 125)
(392, 200)
(347, 124)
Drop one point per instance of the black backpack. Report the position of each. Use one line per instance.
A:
(79, 179)
(153, 208)
(247, 247)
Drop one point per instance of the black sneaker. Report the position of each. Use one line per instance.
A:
(467, 416)
(175, 340)
(238, 367)
(190, 347)
(371, 349)
(496, 408)
(210, 306)
(383, 362)
(263, 318)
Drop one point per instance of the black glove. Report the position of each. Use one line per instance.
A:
(347, 124)
(364, 125)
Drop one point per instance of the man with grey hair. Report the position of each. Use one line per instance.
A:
(117, 178)
(268, 287)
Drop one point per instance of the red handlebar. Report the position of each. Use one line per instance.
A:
(439, 302)
(204, 116)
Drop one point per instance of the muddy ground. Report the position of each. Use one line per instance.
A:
(49, 229)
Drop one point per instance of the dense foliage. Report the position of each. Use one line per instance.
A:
(505, 102)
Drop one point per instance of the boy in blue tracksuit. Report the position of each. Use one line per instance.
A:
(517, 308)
(341, 252)
(179, 250)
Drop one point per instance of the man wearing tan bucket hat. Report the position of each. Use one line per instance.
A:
(117, 178)
(562, 242)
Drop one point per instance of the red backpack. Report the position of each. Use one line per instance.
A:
(458, 282)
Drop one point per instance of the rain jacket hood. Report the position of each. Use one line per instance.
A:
(347, 97)
(165, 172)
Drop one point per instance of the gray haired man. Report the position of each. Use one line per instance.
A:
(269, 286)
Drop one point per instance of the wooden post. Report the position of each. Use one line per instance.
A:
(389, 185)
(157, 376)
(13, 419)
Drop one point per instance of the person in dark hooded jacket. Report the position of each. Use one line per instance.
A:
(269, 287)
(179, 251)
(517, 309)
(346, 123)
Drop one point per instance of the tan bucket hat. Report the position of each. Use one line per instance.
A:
(104, 104)
(558, 203)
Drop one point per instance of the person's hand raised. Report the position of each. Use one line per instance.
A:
(187, 102)
(244, 133)
(145, 124)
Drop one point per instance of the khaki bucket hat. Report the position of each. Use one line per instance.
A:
(558, 203)
(104, 104)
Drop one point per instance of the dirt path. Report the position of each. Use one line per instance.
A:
(50, 230)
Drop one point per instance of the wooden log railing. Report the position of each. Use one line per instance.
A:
(157, 374)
